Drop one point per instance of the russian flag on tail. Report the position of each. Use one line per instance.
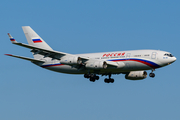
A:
(37, 40)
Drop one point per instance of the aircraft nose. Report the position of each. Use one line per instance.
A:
(174, 59)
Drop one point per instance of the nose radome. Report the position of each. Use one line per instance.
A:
(174, 59)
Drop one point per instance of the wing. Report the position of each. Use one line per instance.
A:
(65, 58)
(25, 58)
(37, 50)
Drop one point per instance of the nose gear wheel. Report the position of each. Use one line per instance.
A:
(152, 74)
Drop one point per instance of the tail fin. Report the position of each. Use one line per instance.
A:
(34, 39)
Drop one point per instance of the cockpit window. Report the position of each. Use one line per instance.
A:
(169, 55)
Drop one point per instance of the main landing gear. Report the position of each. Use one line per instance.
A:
(152, 74)
(92, 77)
(110, 80)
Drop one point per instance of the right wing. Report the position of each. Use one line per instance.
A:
(25, 58)
(53, 54)
(37, 50)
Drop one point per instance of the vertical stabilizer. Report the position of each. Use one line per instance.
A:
(35, 40)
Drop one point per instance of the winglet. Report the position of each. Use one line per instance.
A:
(11, 38)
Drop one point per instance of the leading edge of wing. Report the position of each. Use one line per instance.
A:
(25, 58)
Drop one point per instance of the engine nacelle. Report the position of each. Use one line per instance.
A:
(96, 65)
(71, 60)
(136, 75)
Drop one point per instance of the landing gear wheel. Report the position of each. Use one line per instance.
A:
(97, 77)
(106, 80)
(86, 75)
(152, 75)
(92, 79)
(109, 80)
(112, 80)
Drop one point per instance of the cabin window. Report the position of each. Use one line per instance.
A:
(146, 55)
(137, 55)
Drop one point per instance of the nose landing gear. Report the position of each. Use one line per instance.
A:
(152, 74)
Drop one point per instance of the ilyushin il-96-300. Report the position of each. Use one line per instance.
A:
(131, 63)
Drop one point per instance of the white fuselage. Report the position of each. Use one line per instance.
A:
(135, 60)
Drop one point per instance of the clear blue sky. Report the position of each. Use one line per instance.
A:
(28, 92)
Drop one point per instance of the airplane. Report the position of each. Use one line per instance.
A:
(132, 63)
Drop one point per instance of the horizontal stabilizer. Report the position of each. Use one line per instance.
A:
(25, 58)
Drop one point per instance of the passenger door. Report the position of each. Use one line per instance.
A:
(128, 56)
(153, 56)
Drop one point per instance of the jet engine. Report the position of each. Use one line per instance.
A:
(71, 60)
(96, 65)
(136, 75)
